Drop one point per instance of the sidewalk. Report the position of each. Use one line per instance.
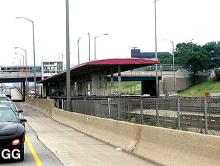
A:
(74, 148)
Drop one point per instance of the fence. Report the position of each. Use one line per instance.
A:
(192, 114)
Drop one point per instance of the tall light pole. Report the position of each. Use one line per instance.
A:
(35, 83)
(104, 34)
(67, 58)
(25, 54)
(89, 47)
(174, 74)
(155, 30)
(22, 57)
(78, 49)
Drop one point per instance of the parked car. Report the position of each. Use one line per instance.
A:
(12, 132)
(172, 94)
(3, 97)
(11, 105)
(7, 92)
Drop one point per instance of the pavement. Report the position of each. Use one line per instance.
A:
(47, 157)
(63, 145)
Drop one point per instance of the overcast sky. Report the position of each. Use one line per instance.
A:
(129, 23)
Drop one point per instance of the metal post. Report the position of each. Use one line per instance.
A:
(178, 113)
(95, 43)
(155, 19)
(157, 113)
(26, 86)
(142, 114)
(206, 116)
(95, 47)
(118, 110)
(78, 50)
(89, 48)
(67, 57)
(109, 107)
(35, 83)
(25, 55)
(32, 22)
(129, 118)
(119, 79)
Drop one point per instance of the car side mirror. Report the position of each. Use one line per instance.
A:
(20, 111)
(22, 120)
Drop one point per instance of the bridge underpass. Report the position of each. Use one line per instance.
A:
(19, 77)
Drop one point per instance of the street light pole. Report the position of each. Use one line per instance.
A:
(25, 54)
(174, 75)
(155, 30)
(35, 83)
(78, 50)
(67, 58)
(89, 47)
(104, 34)
(22, 57)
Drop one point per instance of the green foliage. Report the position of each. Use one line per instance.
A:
(127, 87)
(201, 89)
(217, 74)
(195, 57)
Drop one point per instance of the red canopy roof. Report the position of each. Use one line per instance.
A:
(106, 66)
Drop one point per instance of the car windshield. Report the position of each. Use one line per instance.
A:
(7, 115)
(10, 105)
(2, 98)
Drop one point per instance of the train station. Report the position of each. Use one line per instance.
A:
(90, 79)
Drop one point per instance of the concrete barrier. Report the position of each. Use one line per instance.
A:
(43, 105)
(110, 131)
(173, 147)
(159, 145)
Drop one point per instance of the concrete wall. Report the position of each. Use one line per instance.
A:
(159, 145)
(99, 85)
(43, 105)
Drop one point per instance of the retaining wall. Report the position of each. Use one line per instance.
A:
(159, 145)
(43, 105)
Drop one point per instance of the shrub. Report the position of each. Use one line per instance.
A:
(217, 74)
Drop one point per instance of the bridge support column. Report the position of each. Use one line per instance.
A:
(112, 82)
(24, 90)
(119, 79)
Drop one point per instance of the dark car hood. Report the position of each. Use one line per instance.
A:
(8, 128)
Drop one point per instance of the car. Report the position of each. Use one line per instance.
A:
(11, 105)
(7, 92)
(3, 97)
(173, 94)
(12, 133)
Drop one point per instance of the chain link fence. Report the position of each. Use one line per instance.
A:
(190, 114)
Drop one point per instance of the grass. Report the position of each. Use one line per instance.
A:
(127, 87)
(201, 89)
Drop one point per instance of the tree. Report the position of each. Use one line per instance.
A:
(213, 52)
(193, 56)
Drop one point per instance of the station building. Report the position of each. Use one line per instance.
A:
(90, 78)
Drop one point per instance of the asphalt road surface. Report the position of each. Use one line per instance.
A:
(37, 148)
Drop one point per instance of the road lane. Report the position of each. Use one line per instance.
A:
(73, 147)
(45, 155)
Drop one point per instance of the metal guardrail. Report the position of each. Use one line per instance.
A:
(191, 114)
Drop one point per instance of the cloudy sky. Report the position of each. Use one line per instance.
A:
(129, 23)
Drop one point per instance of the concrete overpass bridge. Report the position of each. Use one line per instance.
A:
(19, 77)
(11, 77)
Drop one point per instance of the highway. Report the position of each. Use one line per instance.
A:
(45, 155)
(51, 143)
